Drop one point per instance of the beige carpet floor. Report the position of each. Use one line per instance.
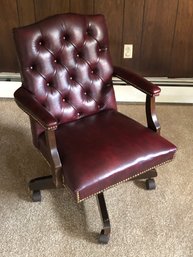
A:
(144, 223)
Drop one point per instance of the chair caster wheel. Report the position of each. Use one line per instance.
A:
(150, 184)
(36, 196)
(103, 238)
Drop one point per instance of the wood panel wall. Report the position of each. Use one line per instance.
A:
(160, 31)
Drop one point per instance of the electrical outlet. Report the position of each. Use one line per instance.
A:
(128, 51)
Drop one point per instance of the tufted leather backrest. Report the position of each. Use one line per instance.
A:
(66, 65)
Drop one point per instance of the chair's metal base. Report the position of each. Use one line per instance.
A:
(40, 183)
(105, 232)
(149, 175)
(46, 182)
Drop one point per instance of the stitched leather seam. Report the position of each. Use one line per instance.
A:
(78, 194)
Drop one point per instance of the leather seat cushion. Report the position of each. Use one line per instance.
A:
(107, 148)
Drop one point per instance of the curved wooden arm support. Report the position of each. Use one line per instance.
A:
(152, 121)
(151, 90)
(54, 161)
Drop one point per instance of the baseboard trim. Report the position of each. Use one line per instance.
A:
(7, 88)
(168, 94)
(124, 93)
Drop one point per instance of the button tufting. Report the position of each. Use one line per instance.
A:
(88, 87)
(103, 49)
(66, 37)
(89, 31)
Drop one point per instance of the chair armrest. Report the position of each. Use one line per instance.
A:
(30, 105)
(137, 81)
(148, 88)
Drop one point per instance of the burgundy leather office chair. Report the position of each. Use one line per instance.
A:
(68, 93)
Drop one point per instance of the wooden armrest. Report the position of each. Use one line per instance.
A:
(152, 120)
(137, 81)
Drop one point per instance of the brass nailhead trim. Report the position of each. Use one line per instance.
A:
(78, 195)
(52, 128)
